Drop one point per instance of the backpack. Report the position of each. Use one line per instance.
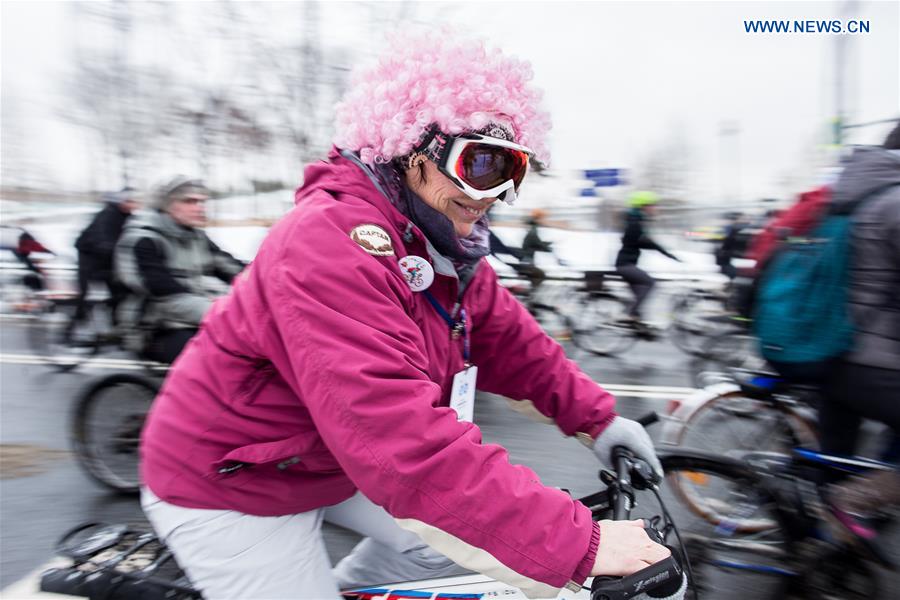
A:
(801, 311)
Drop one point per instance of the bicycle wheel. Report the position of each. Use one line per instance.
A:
(106, 428)
(697, 316)
(600, 325)
(547, 305)
(745, 534)
(722, 491)
(52, 335)
(732, 349)
(732, 424)
(734, 531)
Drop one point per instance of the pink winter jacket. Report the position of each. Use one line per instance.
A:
(322, 373)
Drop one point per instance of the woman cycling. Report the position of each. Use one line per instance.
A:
(336, 380)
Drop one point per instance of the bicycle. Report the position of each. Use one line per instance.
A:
(542, 296)
(119, 562)
(106, 423)
(754, 412)
(588, 312)
(602, 325)
(733, 349)
(769, 514)
(697, 315)
(62, 341)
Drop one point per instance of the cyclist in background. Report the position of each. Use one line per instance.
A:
(22, 245)
(866, 382)
(96, 245)
(172, 270)
(642, 206)
(337, 379)
(733, 244)
(531, 244)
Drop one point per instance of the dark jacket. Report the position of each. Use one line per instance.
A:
(498, 247)
(875, 271)
(635, 239)
(533, 243)
(733, 245)
(98, 240)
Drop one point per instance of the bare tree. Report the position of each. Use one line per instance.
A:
(122, 105)
(267, 105)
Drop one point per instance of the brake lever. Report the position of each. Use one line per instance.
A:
(643, 476)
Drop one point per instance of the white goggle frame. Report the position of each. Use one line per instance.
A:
(506, 191)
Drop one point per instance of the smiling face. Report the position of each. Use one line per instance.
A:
(438, 192)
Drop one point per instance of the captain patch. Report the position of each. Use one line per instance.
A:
(373, 240)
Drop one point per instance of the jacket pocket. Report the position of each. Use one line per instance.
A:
(295, 454)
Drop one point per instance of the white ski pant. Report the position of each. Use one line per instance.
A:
(235, 556)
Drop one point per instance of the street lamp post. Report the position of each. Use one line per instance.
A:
(729, 135)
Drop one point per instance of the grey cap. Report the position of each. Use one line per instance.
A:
(177, 187)
(126, 193)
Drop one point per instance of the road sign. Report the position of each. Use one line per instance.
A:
(605, 177)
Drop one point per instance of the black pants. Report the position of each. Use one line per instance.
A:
(640, 282)
(727, 269)
(851, 393)
(117, 292)
(166, 345)
(34, 280)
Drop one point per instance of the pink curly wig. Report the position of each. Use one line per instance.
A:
(437, 76)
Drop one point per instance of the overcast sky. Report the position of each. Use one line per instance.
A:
(620, 78)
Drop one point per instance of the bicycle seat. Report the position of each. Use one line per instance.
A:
(762, 385)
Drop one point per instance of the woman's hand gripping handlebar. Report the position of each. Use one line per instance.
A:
(632, 560)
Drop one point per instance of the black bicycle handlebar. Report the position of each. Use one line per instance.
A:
(664, 579)
(648, 419)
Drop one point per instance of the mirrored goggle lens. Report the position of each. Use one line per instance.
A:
(484, 166)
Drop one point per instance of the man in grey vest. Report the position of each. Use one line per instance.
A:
(172, 270)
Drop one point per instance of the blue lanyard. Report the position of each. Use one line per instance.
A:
(457, 326)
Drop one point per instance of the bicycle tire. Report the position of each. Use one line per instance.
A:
(801, 568)
(689, 469)
(105, 435)
(729, 350)
(732, 423)
(693, 323)
(598, 325)
(741, 543)
(46, 332)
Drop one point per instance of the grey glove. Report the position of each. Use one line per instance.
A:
(631, 435)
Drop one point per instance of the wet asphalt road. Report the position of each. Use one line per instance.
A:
(43, 492)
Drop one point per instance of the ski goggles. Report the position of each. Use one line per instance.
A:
(482, 166)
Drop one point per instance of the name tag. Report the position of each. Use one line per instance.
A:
(462, 396)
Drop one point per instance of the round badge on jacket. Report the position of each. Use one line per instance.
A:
(417, 271)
